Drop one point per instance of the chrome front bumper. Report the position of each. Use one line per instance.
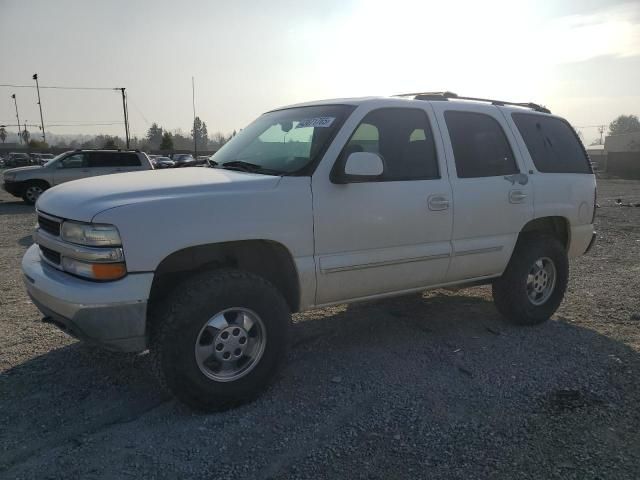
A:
(110, 314)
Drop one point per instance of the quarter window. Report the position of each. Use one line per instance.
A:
(404, 140)
(479, 144)
(552, 143)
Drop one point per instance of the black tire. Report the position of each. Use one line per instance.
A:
(510, 293)
(178, 326)
(31, 188)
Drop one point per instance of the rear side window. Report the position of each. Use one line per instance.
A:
(128, 159)
(113, 159)
(102, 159)
(404, 140)
(480, 147)
(552, 143)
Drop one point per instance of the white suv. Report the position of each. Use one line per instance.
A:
(312, 205)
(29, 182)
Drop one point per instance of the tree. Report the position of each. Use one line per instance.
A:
(38, 145)
(110, 144)
(167, 142)
(154, 135)
(218, 140)
(624, 124)
(3, 134)
(199, 131)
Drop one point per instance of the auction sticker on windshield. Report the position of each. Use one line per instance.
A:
(322, 122)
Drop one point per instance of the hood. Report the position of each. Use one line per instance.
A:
(83, 199)
(22, 169)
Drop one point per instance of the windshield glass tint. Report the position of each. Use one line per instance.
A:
(284, 141)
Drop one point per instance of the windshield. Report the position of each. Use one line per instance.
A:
(284, 141)
(54, 159)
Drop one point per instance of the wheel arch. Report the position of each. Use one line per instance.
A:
(269, 259)
(38, 181)
(557, 226)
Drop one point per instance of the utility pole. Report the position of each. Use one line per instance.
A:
(195, 133)
(601, 129)
(126, 115)
(17, 116)
(35, 77)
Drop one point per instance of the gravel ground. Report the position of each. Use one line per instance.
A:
(428, 386)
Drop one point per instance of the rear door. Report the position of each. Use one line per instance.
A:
(72, 167)
(492, 195)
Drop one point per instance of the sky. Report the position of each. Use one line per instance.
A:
(581, 58)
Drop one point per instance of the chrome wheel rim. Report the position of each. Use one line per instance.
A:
(541, 280)
(230, 344)
(33, 193)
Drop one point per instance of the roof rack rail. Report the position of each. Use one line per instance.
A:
(445, 96)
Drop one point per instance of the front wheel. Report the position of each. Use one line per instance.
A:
(221, 339)
(533, 284)
(32, 192)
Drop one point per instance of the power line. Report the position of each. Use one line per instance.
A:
(66, 124)
(58, 87)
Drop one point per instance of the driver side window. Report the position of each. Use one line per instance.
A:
(77, 160)
(404, 140)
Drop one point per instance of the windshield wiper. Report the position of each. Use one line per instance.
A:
(243, 166)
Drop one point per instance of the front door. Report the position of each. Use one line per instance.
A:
(73, 167)
(492, 194)
(390, 234)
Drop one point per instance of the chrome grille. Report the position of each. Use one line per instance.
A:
(49, 225)
(50, 255)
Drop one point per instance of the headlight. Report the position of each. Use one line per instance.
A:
(9, 177)
(94, 271)
(93, 235)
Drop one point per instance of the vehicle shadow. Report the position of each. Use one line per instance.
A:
(26, 241)
(14, 207)
(427, 361)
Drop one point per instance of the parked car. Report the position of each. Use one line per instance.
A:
(319, 204)
(29, 182)
(18, 160)
(184, 160)
(164, 162)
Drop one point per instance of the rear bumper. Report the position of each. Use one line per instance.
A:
(109, 314)
(581, 238)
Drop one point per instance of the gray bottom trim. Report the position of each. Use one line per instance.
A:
(478, 250)
(384, 263)
(401, 261)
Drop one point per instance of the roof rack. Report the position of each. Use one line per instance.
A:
(445, 96)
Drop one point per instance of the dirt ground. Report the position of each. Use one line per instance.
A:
(429, 386)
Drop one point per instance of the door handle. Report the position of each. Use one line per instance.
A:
(438, 202)
(516, 196)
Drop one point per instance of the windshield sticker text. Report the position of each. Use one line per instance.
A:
(317, 122)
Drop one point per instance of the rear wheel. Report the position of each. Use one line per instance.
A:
(32, 192)
(220, 339)
(533, 284)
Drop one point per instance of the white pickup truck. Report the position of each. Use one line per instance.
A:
(312, 205)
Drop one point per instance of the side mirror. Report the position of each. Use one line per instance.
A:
(361, 167)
